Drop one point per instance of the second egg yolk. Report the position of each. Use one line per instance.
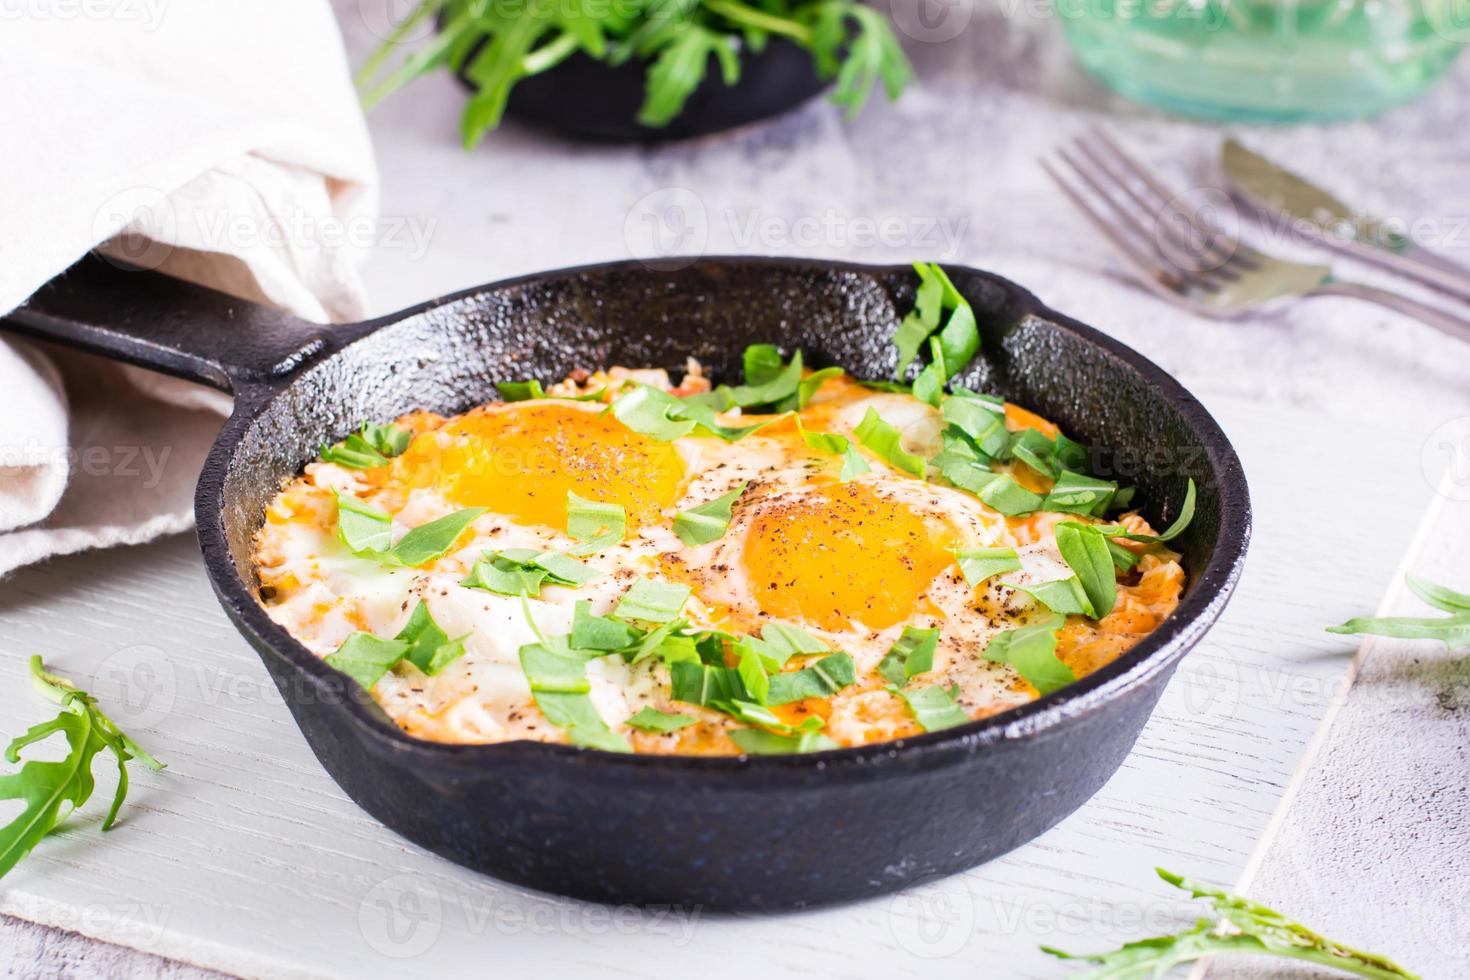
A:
(521, 459)
(842, 552)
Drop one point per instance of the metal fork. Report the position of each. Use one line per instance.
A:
(1185, 257)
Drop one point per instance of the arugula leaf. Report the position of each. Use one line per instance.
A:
(979, 564)
(703, 684)
(1085, 550)
(1004, 494)
(593, 524)
(1438, 596)
(520, 391)
(873, 55)
(429, 648)
(883, 439)
(522, 571)
(759, 714)
(557, 675)
(653, 720)
(770, 383)
(981, 417)
(652, 602)
(366, 658)
(361, 526)
(1065, 596)
(762, 363)
(911, 654)
(680, 67)
(853, 463)
(933, 708)
(709, 521)
(952, 349)
(757, 741)
(1454, 631)
(1186, 515)
(1074, 493)
(1240, 926)
(929, 385)
(604, 633)
(369, 447)
(779, 642)
(1035, 450)
(752, 673)
(46, 786)
(822, 679)
(654, 413)
(429, 541)
(1032, 651)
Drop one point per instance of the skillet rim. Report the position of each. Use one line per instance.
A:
(1159, 651)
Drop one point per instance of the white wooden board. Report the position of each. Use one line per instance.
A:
(245, 857)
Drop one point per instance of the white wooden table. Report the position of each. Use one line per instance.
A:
(244, 857)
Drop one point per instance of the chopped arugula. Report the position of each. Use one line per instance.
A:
(934, 708)
(759, 714)
(950, 349)
(522, 571)
(1065, 596)
(558, 678)
(709, 521)
(429, 648)
(46, 786)
(1084, 548)
(822, 679)
(520, 391)
(496, 45)
(833, 444)
(910, 655)
(1453, 630)
(779, 642)
(979, 564)
(594, 525)
(757, 741)
(883, 439)
(1239, 926)
(652, 602)
(652, 412)
(368, 532)
(1181, 523)
(1032, 651)
(704, 684)
(653, 720)
(369, 447)
(366, 658)
(1074, 493)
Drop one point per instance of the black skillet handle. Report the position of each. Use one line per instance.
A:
(159, 322)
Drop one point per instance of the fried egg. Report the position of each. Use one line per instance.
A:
(856, 565)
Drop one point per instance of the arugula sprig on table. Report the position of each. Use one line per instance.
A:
(1239, 925)
(1453, 630)
(496, 43)
(46, 786)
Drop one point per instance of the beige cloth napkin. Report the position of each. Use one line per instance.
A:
(217, 140)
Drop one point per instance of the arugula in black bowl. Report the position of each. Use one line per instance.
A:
(640, 69)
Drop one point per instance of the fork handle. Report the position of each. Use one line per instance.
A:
(1423, 312)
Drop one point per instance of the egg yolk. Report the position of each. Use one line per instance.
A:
(842, 552)
(521, 459)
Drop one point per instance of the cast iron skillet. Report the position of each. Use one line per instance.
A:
(729, 833)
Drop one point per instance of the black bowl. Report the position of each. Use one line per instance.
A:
(592, 100)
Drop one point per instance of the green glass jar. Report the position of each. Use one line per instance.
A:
(1268, 60)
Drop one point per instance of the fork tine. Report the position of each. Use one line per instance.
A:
(1220, 246)
(1155, 276)
(1175, 246)
(1184, 276)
